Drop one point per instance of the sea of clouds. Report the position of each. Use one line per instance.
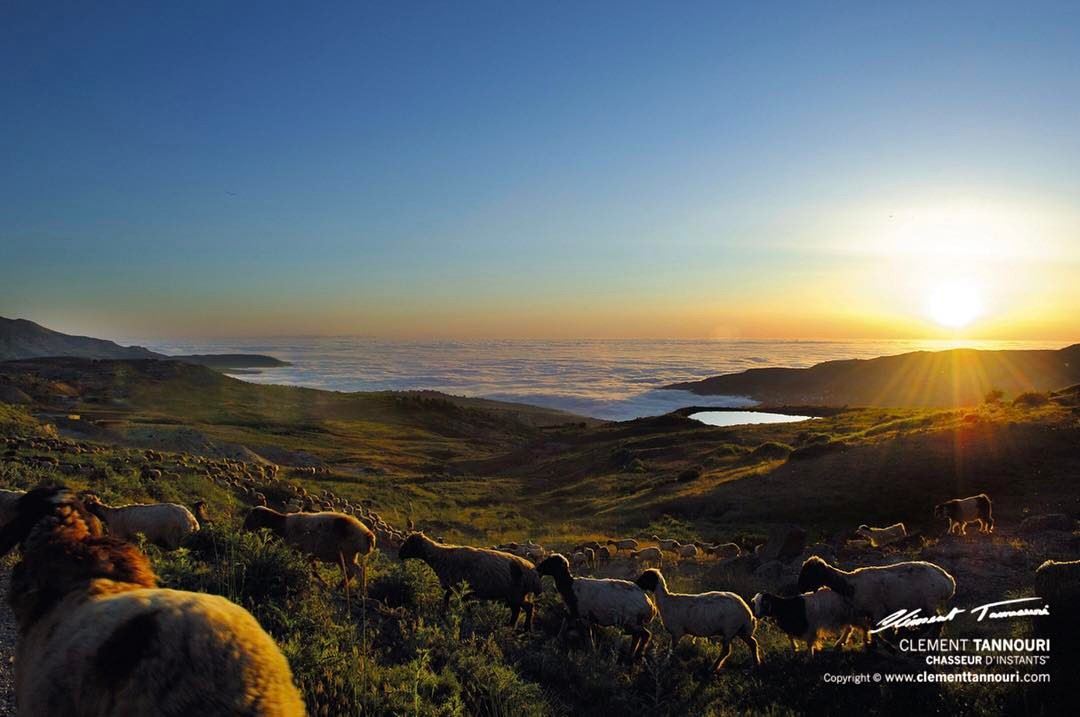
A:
(610, 379)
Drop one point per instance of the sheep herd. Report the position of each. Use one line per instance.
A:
(98, 636)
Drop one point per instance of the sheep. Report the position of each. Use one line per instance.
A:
(879, 537)
(490, 574)
(624, 544)
(323, 537)
(1058, 583)
(579, 559)
(603, 555)
(651, 556)
(165, 524)
(97, 636)
(712, 614)
(603, 601)
(688, 551)
(721, 550)
(669, 545)
(590, 557)
(8, 500)
(961, 511)
(876, 592)
(808, 617)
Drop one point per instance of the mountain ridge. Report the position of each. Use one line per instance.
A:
(24, 339)
(955, 377)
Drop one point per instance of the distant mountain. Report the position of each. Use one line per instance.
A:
(958, 377)
(22, 339)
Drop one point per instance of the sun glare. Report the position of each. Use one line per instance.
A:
(954, 304)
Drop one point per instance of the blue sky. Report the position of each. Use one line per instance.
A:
(533, 169)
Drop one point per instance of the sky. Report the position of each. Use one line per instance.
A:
(542, 170)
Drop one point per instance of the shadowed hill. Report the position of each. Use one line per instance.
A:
(958, 377)
(22, 339)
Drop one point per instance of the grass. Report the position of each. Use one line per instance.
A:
(483, 474)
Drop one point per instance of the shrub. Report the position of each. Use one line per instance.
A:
(771, 451)
(994, 396)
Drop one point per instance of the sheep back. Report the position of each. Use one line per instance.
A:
(491, 574)
(615, 603)
(108, 654)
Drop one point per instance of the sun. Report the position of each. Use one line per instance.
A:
(954, 304)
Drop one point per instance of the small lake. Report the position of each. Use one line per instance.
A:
(741, 418)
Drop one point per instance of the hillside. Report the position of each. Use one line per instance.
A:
(23, 339)
(401, 652)
(958, 377)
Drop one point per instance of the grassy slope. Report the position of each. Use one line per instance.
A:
(405, 656)
(951, 378)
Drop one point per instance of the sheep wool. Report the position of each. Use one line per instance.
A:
(327, 537)
(490, 574)
(97, 637)
(879, 537)
(808, 617)
(165, 524)
(713, 614)
(878, 591)
(603, 601)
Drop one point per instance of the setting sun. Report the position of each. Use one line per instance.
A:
(954, 304)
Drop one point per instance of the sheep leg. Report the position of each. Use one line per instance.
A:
(643, 643)
(844, 637)
(515, 611)
(528, 615)
(725, 652)
(755, 649)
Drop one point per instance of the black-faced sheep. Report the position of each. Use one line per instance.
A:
(961, 511)
(97, 637)
(164, 524)
(490, 574)
(876, 592)
(713, 614)
(603, 601)
(808, 617)
(323, 537)
(879, 537)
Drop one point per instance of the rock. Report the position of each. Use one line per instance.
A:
(1048, 521)
(785, 542)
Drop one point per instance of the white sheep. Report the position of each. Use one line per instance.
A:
(165, 524)
(689, 550)
(328, 537)
(879, 537)
(603, 601)
(713, 614)
(669, 545)
(649, 556)
(624, 544)
(96, 636)
(721, 550)
(961, 511)
(876, 592)
(489, 574)
(808, 617)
